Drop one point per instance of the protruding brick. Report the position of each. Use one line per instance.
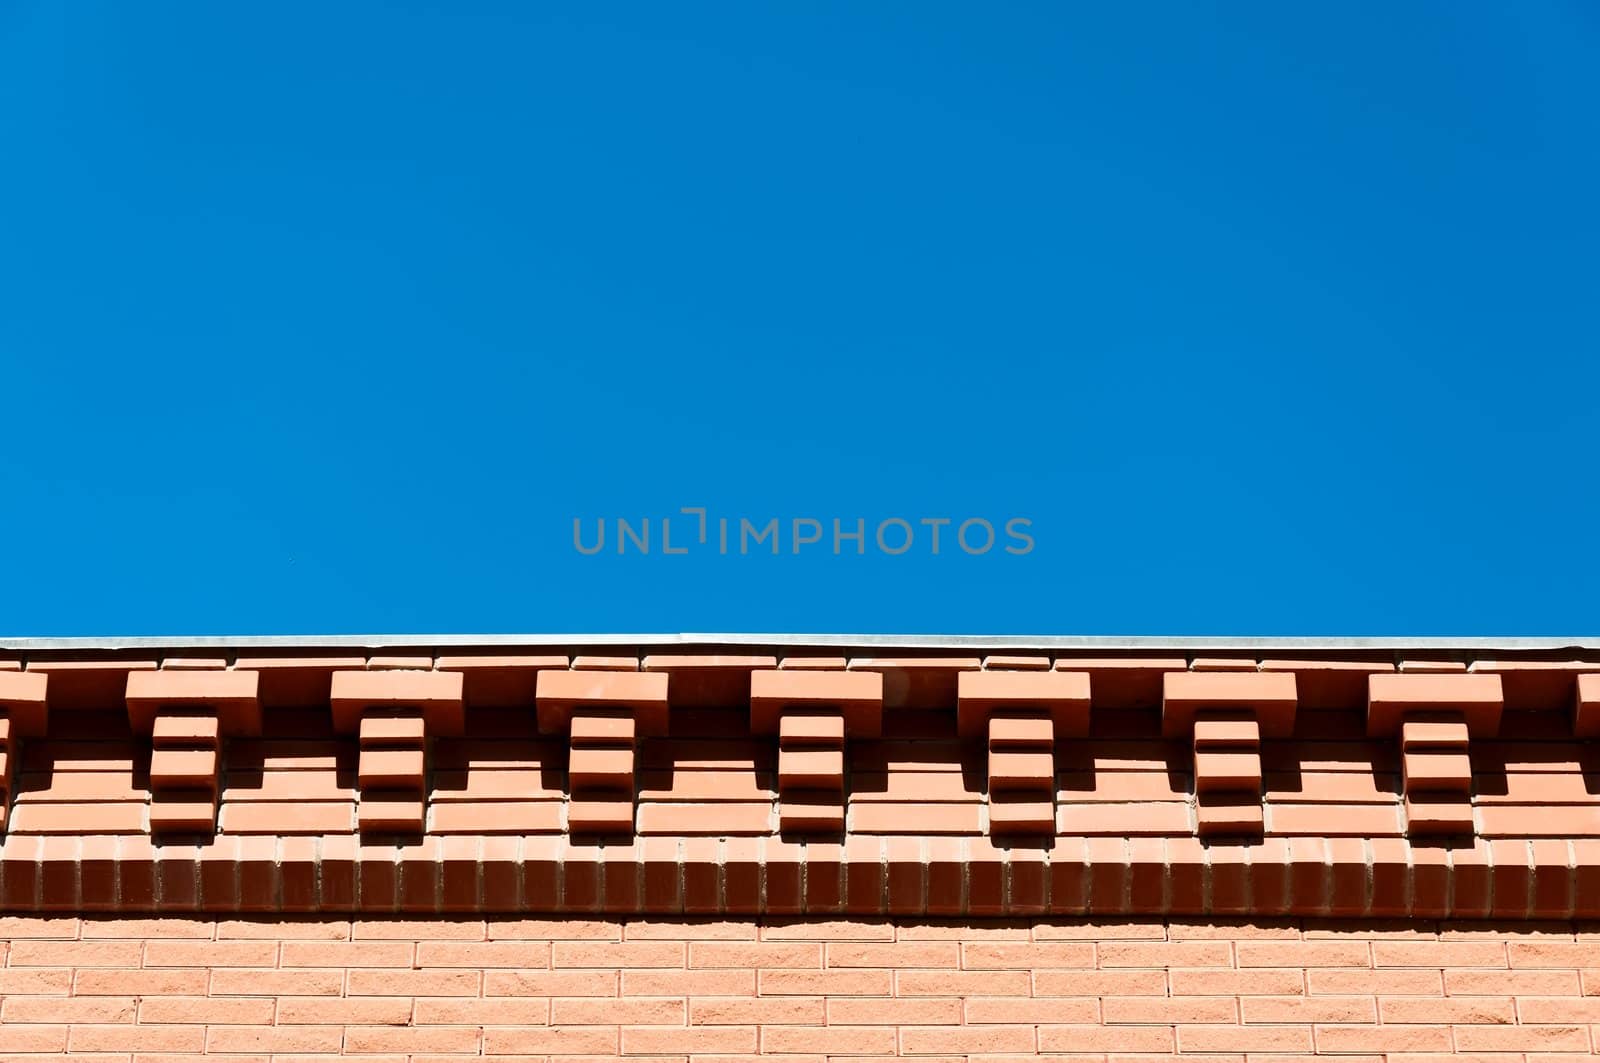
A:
(642, 694)
(398, 811)
(392, 728)
(1062, 697)
(1428, 770)
(1024, 812)
(1226, 730)
(1270, 696)
(1013, 730)
(1438, 813)
(437, 694)
(1021, 770)
(798, 728)
(811, 769)
(600, 815)
(602, 728)
(192, 730)
(1220, 770)
(1391, 698)
(1433, 730)
(856, 696)
(386, 768)
(601, 768)
(1586, 709)
(811, 810)
(231, 695)
(1228, 813)
(183, 769)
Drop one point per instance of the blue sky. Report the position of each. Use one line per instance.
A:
(1270, 319)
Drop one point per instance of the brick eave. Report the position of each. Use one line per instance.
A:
(802, 774)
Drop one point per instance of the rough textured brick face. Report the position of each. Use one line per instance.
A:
(383, 987)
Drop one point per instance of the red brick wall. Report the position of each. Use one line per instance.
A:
(143, 989)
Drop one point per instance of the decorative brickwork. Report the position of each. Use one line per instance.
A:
(721, 857)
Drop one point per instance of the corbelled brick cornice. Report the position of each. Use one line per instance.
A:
(802, 777)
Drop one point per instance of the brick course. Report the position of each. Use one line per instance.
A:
(258, 988)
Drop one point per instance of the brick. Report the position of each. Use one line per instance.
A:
(437, 695)
(1221, 730)
(1304, 954)
(365, 1011)
(390, 768)
(1266, 1009)
(1537, 954)
(918, 1011)
(1456, 1010)
(899, 954)
(785, 955)
(1000, 955)
(1170, 1010)
(78, 953)
(183, 768)
(1227, 770)
(1479, 698)
(1438, 954)
(69, 1010)
(657, 1040)
(962, 983)
(1061, 696)
(1522, 1038)
(857, 696)
(1165, 954)
(377, 982)
(949, 1040)
(817, 769)
(129, 1038)
(668, 983)
(807, 1011)
(1270, 696)
(348, 954)
(598, 1011)
(554, 1040)
(521, 954)
(1021, 770)
(578, 983)
(832, 1040)
(1244, 1039)
(206, 1011)
(368, 1039)
(1341, 1038)
(625, 954)
(1523, 983)
(1353, 981)
(1096, 1038)
(246, 982)
(1439, 730)
(1424, 770)
(830, 983)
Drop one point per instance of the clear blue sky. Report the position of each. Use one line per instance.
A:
(1272, 319)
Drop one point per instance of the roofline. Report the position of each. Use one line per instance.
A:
(667, 642)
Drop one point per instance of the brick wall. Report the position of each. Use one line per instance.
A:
(146, 989)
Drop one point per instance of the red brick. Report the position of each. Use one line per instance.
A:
(950, 1040)
(962, 983)
(806, 1011)
(831, 983)
(1304, 954)
(1095, 1038)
